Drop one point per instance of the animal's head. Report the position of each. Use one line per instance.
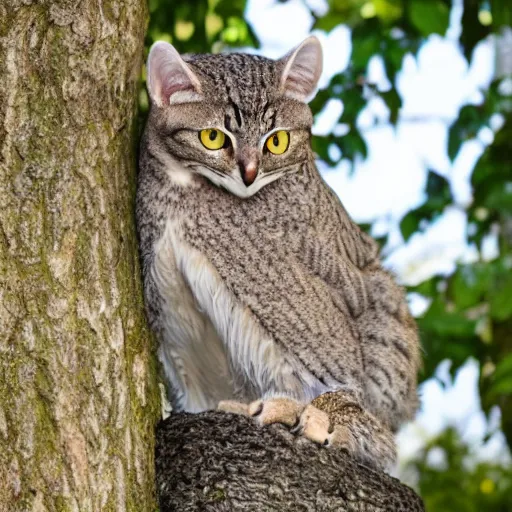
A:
(239, 120)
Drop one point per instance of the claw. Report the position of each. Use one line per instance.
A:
(296, 427)
(256, 408)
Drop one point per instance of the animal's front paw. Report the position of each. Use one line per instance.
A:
(335, 420)
(234, 407)
(276, 410)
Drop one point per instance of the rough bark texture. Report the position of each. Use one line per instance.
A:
(222, 462)
(77, 386)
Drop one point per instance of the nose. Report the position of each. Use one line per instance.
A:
(249, 171)
(248, 163)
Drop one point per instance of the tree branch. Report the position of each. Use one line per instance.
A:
(221, 462)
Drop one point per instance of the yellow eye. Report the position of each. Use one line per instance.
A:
(278, 142)
(212, 138)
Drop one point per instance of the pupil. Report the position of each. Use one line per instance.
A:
(213, 135)
(275, 140)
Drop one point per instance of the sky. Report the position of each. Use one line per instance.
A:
(433, 85)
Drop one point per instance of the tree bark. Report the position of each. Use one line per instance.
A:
(222, 462)
(78, 399)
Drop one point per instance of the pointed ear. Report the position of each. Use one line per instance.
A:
(302, 69)
(169, 79)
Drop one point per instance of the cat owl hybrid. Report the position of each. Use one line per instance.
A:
(266, 298)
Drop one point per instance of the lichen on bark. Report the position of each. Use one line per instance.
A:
(78, 396)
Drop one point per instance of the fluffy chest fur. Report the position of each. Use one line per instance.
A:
(192, 354)
(212, 347)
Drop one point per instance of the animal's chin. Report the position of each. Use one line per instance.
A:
(235, 185)
(239, 189)
(242, 191)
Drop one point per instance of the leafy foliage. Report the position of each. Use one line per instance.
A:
(470, 314)
(197, 26)
(451, 483)
(439, 197)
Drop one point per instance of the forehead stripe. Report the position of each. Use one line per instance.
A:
(236, 109)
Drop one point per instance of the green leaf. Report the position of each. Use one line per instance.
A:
(321, 98)
(346, 12)
(471, 119)
(438, 197)
(409, 224)
(321, 145)
(389, 11)
(501, 296)
(331, 21)
(499, 196)
(394, 50)
(502, 387)
(363, 49)
(352, 144)
(438, 189)
(469, 284)
(472, 30)
(394, 102)
(429, 16)
(501, 14)
(503, 369)
(227, 8)
(353, 103)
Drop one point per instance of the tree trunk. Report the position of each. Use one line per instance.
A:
(222, 462)
(78, 399)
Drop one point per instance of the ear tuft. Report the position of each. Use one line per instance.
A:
(170, 80)
(302, 69)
